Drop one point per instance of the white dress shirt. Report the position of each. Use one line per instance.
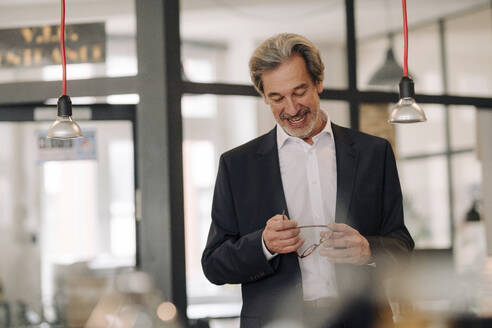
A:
(309, 178)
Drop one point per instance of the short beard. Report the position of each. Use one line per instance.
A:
(302, 134)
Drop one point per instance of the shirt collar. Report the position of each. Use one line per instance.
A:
(282, 136)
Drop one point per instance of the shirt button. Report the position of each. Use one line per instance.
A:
(310, 152)
(314, 182)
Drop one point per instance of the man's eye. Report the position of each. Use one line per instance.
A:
(300, 94)
(277, 100)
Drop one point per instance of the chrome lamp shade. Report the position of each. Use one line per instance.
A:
(64, 127)
(407, 110)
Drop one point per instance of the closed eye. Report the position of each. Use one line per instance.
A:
(300, 90)
(300, 93)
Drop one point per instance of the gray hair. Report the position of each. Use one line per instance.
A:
(277, 49)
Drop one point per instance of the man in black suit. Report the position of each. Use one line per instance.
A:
(310, 172)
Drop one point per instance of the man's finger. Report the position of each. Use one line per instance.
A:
(331, 234)
(342, 242)
(283, 224)
(338, 235)
(287, 234)
(293, 248)
(277, 217)
(333, 253)
(340, 227)
(288, 242)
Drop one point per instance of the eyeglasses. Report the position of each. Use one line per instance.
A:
(308, 251)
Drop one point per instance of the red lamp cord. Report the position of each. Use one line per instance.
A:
(405, 34)
(62, 46)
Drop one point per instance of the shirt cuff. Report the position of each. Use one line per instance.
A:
(267, 253)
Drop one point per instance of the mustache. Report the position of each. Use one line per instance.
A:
(301, 112)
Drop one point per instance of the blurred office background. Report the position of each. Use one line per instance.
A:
(162, 88)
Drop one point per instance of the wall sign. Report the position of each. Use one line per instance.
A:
(66, 150)
(39, 46)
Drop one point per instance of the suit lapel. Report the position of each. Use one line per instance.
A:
(272, 191)
(346, 158)
(273, 201)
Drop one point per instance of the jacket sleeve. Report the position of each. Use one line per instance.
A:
(394, 242)
(230, 257)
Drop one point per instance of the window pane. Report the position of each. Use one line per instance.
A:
(423, 138)
(463, 127)
(226, 34)
(115, 54)
(468, 51)
(425, 201)
(424, 58)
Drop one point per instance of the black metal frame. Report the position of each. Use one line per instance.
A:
(224, 89)
(173, 90)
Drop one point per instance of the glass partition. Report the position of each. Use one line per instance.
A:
(468, 51)
(67, 219)
(226, 33)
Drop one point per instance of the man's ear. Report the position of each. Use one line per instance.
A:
(319, 86)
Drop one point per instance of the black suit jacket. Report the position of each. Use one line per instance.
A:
(249, 191)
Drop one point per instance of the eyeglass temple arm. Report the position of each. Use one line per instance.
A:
(313, 226)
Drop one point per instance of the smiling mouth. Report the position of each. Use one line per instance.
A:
(299, 118)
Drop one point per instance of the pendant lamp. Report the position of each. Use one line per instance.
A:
(406, 110)
(389, 73)
(64, 127)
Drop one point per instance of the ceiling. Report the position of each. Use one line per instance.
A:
(317, 19)
(219, 20)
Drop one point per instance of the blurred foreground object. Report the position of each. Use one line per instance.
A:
(131, 300)
(430, 293)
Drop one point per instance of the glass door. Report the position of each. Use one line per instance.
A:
(67, 218)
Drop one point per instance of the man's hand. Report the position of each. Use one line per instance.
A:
(344, 244)
(282, 235)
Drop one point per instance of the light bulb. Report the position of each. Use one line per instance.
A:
(64, 127)
(407, 110)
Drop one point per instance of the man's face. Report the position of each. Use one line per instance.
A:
(293, 97)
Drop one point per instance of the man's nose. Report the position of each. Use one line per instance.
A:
(291, 106)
